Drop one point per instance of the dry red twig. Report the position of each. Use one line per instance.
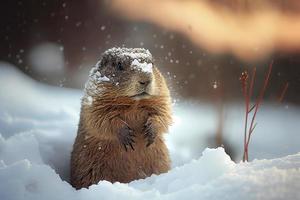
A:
(244, 80)
(248, 92)
(283, 92)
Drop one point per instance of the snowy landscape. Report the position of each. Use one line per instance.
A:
(38, 125)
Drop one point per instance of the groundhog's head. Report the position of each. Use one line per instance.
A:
(126, 72)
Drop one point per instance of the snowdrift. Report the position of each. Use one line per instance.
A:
(38, 125)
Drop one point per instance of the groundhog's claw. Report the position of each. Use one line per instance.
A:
(126, 137)
(150, 133)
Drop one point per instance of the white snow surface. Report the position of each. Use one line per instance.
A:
(38, 125)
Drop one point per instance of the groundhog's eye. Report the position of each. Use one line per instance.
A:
(120, 66)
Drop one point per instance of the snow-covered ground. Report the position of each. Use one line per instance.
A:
(38, 125)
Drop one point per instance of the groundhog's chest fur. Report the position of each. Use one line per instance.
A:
(95, 158)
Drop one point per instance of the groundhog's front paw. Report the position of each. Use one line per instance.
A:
(150, 132)
(126, 137)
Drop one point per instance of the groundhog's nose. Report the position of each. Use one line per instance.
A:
(145, 83)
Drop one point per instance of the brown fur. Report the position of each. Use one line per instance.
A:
(98, 154)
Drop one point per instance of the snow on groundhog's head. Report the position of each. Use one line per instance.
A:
(128, 71)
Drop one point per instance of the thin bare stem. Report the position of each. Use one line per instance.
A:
(251, 87)
(247, 92)
(259, 100)
(283, 92)
(253, 128)
(244, 81)
(246, 120)
(252, 82)
(251, 108)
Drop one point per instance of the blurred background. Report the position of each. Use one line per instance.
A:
(201, 46)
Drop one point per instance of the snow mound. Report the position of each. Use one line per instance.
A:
(212, 176)
(38, 125)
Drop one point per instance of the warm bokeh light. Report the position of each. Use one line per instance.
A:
(248, 35)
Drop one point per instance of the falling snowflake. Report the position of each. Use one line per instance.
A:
(102, 28)
(215, 85)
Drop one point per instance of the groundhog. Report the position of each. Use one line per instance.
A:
(125, 111)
